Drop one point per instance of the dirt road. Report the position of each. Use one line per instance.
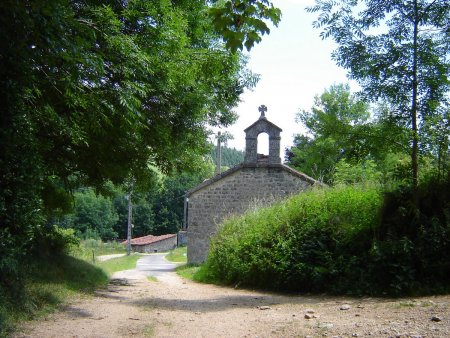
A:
(133, 306)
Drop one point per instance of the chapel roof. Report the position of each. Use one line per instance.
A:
(254, 160)
(265, 120)
(240, 166)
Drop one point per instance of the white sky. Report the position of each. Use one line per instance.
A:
(295, 64)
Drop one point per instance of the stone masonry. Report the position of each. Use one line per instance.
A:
(260, 180)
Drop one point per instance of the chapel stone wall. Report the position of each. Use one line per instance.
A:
(234, 194)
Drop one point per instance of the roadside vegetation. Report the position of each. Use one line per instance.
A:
(190, 272)
(89, 249)
(341, 240)
(118, 264)
(47, 279)
(178, 255)
(54, 279)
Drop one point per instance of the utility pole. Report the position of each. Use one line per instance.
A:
(185, 212)
(130, 213)
(219, 153)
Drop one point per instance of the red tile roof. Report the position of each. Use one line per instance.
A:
(149, 239)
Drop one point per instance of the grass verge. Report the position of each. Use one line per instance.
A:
(54, 281)
(178, 255)
(92, 247)
(187, 271)
(119, 264)
(48, 284)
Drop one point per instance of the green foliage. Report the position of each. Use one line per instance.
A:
(188, 271)
(342, 136)
(398, 52)
(298, 244)
(346, 240)
(412, 249)
(53, 241)
(178, 255)
(119, 264)
(242, 23)
(95, 247)
(49, 283)
(93, 217)
(365, 172)
(230, 156)
(158, 211)
(337, 128)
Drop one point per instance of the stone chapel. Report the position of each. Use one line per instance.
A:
(259, 179)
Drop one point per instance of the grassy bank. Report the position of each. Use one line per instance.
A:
(89, 249)
(188, 272)
(118, 264)
(48, 284)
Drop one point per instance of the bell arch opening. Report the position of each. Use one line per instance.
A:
(263, 144)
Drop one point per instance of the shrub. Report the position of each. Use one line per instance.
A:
(303, 243)
(53, 240)
(412, 248)
(346, 240)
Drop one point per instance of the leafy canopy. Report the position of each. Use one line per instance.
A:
(242, 23)
(98, 91)
(398, 51)
(335, 126)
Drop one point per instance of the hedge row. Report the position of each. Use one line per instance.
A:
(346, 240)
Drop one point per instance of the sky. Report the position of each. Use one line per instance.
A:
(295, 65)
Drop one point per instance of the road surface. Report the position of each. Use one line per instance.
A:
(136, 307)
(154, 264)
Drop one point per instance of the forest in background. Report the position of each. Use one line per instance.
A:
(157, 211)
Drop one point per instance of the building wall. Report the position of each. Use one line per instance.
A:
(160, 246)
(182, 238)
(234, 194)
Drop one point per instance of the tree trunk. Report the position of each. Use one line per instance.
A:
(415, 134)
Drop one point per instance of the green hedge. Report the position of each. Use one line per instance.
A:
(336, 240)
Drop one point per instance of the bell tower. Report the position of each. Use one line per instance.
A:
(262, 125)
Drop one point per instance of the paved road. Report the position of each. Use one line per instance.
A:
(155, 265)
(149, 265)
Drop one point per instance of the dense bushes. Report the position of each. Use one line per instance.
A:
(340, 240)
(412, 251)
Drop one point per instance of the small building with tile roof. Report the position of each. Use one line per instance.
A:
(151, 244)
(259, 180)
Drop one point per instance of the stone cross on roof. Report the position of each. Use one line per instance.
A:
(262, 109)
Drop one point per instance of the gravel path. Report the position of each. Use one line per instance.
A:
(133, 306)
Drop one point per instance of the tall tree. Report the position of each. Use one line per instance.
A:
(93, 217)
(398, 51)
(335, 127)
(93, 91)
